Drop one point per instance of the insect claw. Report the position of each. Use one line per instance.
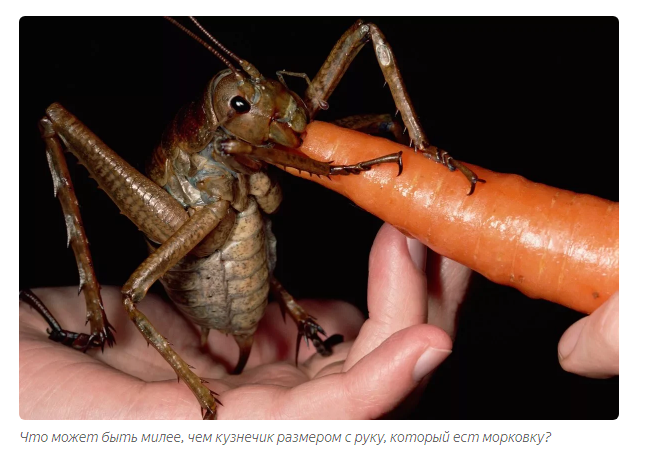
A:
(473, 183)
(400, 163)
(190, 366)
(214, 395)
(299, 337)
(333, 340)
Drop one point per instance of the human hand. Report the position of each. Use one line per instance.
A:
(590, 347)
(367, 378)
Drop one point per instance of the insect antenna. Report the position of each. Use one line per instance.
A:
(247, 67)
(205, 44)
(216, 42)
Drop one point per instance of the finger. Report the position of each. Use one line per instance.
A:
(590, 347)
(397, 293)
(447, 284)
(372, 388)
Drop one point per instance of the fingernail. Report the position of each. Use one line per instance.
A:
(570, 339)
(429, 360)
(418, 253)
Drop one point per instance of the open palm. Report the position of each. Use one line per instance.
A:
(393, 353)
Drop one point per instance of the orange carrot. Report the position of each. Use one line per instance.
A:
(547, 242)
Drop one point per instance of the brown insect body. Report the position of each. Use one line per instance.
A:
(224, 283)
(202, 205)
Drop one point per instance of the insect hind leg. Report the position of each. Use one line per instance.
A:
(101, 332)
(78, 341)
(337, 63)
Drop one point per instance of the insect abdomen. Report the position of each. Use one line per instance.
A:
(227, 290)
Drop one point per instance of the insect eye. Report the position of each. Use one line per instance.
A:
(239, 104)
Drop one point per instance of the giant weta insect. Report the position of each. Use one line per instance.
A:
(201, 207)
(498, 100)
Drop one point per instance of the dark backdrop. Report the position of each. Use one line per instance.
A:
(536, 97)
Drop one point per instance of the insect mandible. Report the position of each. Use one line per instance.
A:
(210, 163)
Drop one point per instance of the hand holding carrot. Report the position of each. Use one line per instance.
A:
(546, 242)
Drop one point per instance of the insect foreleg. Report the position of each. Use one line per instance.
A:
(266, 191)
(100, 328)
(284, 159)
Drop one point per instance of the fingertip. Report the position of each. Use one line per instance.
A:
(429, 360)
(387, 235)
(392, 246)
(569, 339)
(590, 347)
(396, 293)
(393, 370)
(397, 287)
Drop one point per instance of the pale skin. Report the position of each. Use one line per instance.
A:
(412, 320)
(590, 347)
(393, 353)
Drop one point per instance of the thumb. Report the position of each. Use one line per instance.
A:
(590, 347)
(380, 381)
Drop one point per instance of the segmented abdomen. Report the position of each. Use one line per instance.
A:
(228, 290)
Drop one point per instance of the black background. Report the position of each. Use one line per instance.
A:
(537, 97)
